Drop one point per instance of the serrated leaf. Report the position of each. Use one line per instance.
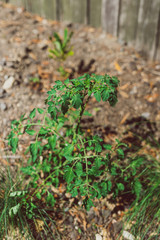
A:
(34, 151)
(97, 96)
(120, 186)
(74, 192)
(58, 82)
(120, 152)
(107, 146)
(14, 144)
(98, 147)
(38, 195)
(30, 132)
(69, 174)
(76, 101)
(68, 149)
(105, 95)
(67, 81)
(52, 141)
(50, 199)
(40, 110)
(79, 169)
(33, 113)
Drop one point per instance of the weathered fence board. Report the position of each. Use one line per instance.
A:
(128, 20)
(147, 26)
(136, 22)
(74, 11)
(95, 13)
(110, 12)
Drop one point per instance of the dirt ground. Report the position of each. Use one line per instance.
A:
(24, 43)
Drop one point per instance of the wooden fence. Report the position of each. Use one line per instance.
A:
(135, 22)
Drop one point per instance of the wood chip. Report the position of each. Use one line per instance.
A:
(125, 118)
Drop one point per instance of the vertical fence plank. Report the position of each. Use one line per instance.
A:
(109, 13)
(95, 13)
(128, 20)
(147, 26)
(18, 3)
(157, 44)
(74, 11)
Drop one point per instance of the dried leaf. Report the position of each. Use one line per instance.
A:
(117, 67)
(151, 98)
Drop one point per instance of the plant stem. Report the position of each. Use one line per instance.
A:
(81, 113)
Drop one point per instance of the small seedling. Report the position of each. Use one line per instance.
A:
(62, 49)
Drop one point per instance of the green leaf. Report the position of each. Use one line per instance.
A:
(30, 132)
(88, 203)
(98, 147)
(14, 144)
(65, 37)
(76, 101)
(79, 169)
(120, 152)
(105, 95)
(58, 83)
(40, 110)
(109, 185)
(69, 174)
(68, 149)
(52, 141)
(107, 146)
(34, 151)
(86, 113)
(97, 96)
(50, 199)
(38, 195)
(43, 131)
(33, 113)
(120, 186)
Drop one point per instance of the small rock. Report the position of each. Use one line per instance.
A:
(145, 115)
(128, 236)
(3, 106)
(8, 83)
(98, 237)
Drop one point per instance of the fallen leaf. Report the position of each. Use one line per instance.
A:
(151, 98)
(33, 56)
(117, 67)
(124, 86)
(39, 225)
